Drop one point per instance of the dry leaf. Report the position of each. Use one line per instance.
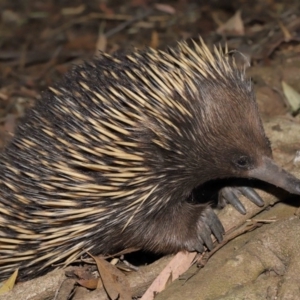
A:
(292, 96)
(234, 25)
(10, 123)
(114, 281)
(9, 283)
(101, 43)
(9, 16)
(154, 40)
(177, 266)
(165, 8)
(103, 6)
(91, 284)
(69, 11)
(287, 35)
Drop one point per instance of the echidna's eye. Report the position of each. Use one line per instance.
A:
(243, 162)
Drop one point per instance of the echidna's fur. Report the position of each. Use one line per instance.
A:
(107, 158)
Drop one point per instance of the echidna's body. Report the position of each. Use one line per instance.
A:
(107, 159)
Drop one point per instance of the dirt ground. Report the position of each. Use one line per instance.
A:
(41, 40)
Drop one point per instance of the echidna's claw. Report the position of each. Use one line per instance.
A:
(252, 195)
(231, 195)
(209, 224)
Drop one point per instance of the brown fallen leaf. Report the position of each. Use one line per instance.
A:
(69, 11)
(10, 123)
(101, 43)
(9, 16)
(154, 39)
(234, 25)
(177, 266)
(165, 8)
(91, 284)
(114, 281)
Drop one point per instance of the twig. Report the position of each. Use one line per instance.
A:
(125, 24)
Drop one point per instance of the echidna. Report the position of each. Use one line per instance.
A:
(110, 156)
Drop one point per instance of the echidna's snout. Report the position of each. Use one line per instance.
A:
(270, 172)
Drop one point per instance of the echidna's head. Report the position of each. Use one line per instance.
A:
(228, 127)
(202, 121)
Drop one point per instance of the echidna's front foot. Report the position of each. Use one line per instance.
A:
(207, 224)
(231, 195)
